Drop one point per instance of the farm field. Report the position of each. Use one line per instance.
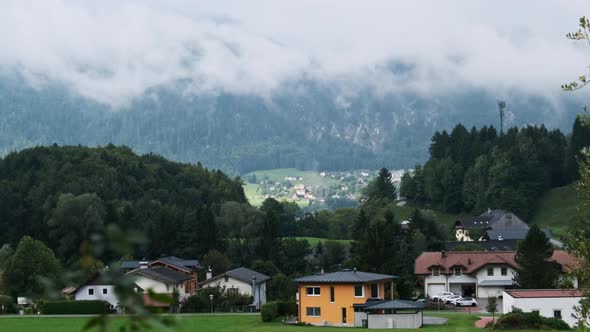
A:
(461, 322)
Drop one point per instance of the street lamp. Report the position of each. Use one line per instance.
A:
(254, 292)
(211, 301)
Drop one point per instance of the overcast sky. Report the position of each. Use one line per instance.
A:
(113, 51)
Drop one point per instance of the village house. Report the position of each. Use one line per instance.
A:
(240, 281)
(353, 298)
(189, 267)
(557, 303)
(162, 280)
(479, 274)
(499, 221)
(97, 289)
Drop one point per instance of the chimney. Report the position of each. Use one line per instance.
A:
(143, 264)
(209, 274)
(443, 254)
(468, 261)
(489, 210)
(354, 270)
(322, 271)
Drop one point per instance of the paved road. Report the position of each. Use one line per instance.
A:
(434, 320)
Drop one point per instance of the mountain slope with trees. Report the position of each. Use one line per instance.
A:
(481, 168)
(62, 195)
(305, 124)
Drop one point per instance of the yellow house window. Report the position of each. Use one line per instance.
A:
(312, 291)
(359, 291)
(313, 311)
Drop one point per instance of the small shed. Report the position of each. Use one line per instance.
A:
(392, 314)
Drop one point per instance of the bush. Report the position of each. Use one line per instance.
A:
(287, 308)
(269, 311)
(75, 307)
(518, 320)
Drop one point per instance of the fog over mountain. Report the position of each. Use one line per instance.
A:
(263, 84)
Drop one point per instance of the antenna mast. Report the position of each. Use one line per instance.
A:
(501, 107)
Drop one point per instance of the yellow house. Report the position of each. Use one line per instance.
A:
(331, 298)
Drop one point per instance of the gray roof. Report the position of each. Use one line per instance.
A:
(495, 283)
(517, 234)
(350, 277)
(394, 305)
(162, 274)
(186, 264)
(242, 274)
(488, 245)
(246, 275)
(129, 265)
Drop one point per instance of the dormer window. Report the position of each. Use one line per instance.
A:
(436, 271)
(458, 271)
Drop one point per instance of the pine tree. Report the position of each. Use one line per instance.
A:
(535, 268)
(380, 188)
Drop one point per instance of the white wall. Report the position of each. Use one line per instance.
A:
(110, 297)
(243, 288)
(544, 305)
(430, 279)
(398, 321)
(157, 286)
(482, 274)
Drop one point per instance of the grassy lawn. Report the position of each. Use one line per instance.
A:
(221, 323)
(556, 209)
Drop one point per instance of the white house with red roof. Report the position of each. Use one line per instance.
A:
(479, 274)
(558, 303)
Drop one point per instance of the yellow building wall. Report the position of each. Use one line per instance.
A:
(332, 312)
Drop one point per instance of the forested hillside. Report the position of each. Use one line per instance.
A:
(481, 168)
(61, 195)
(306, 124)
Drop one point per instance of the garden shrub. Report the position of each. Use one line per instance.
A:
(269, 311)
(287, 308)
(518, 320)
(75, 307)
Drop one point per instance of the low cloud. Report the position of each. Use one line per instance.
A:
(114, 51)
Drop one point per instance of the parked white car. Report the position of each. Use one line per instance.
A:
(452, 299)
(466, 302)
(441, 296)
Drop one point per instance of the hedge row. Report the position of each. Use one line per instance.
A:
(272, 310)
(518, 320)
(75, 307)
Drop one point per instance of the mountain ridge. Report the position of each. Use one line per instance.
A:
(308, 127)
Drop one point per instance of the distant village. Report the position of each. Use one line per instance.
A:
(322, 186)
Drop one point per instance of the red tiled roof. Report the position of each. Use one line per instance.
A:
(539, 293)
(475, 260)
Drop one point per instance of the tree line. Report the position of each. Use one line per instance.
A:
(472, 170)
(54, 201)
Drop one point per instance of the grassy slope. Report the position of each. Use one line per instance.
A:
(556, 209)
(220, 323)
